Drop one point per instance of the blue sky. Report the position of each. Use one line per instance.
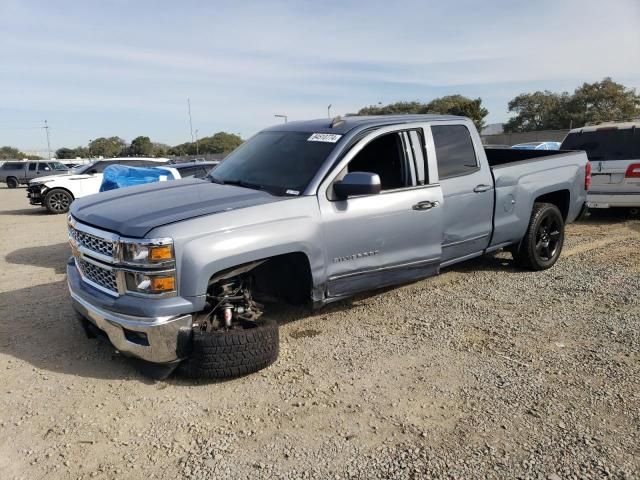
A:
(102, 68)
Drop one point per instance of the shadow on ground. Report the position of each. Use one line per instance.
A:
(609, 216)
(49, 256)
(38, 325)
(34, 211)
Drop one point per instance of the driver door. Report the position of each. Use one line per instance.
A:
(382, 239)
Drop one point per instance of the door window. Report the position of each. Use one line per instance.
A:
(32, 166)
(385, 156)
(454, 150)
(13, 166)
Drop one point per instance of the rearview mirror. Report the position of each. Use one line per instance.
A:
(357, 183)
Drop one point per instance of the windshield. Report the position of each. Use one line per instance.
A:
(58, 166)
(84, 168)
(283, 163)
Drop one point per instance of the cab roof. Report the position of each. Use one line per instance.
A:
(346, 124)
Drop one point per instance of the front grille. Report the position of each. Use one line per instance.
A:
(98, 275)
(96, 244)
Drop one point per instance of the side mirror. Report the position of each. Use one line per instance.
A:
(357, 183)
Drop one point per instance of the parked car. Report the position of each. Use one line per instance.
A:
(537, 146)
(311, 211)
(614, 152)
(56, 193)
(119, 176)
(17, 173)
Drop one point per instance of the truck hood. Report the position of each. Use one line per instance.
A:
(134, 211)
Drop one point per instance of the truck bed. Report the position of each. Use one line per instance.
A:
(521, 176)
(501, 156)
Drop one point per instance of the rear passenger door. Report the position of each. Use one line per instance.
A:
(467, 190)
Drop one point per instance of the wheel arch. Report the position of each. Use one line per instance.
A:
(286, 275)
(11, 177)
(559, 198)
(49, 190)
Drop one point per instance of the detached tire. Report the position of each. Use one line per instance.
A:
(232, 353)
(12, 182)
(58, 201)
(542, 244)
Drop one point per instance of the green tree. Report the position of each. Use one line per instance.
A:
(107, 147)
(141, 147)
(70, 153)
(7, 153)
(539, 111)
(11, 153)
(160, 150)
(447, 105)
(590, 103)
(604, 101)
(221, 142)
(397, 108)
(460, 105)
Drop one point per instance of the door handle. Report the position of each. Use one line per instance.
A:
(426, 205)
(482, 188)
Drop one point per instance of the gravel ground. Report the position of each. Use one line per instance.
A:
(483, 372)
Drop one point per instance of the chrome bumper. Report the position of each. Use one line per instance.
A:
(154, 339)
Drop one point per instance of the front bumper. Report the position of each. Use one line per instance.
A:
(35, 194)
(161, 339)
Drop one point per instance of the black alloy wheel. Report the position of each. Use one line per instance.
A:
(548, 237)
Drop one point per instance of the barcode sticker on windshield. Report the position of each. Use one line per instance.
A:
(324, 137)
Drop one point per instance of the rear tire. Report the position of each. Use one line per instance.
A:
(12, 182)
(542, 244)
(58, 201)
(232, 353)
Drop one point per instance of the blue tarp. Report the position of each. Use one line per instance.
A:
(120, 176)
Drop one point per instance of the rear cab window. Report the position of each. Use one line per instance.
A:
(455, 154)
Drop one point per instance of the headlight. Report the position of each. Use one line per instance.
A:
(148, 253)
(151, 283)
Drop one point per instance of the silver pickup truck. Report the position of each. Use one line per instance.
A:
(309, 211)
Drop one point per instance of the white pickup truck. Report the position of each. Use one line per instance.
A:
(56, 192)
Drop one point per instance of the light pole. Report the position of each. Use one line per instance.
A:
(282, 116)
(46, 127)
(329, 111)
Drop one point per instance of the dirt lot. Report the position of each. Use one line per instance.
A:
(482, 372)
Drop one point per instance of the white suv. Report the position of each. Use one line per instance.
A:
(614, 152)
(56, 193)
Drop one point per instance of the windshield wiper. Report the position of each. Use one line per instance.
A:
(239, 183)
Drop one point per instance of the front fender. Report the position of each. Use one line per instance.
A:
(210, 244)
